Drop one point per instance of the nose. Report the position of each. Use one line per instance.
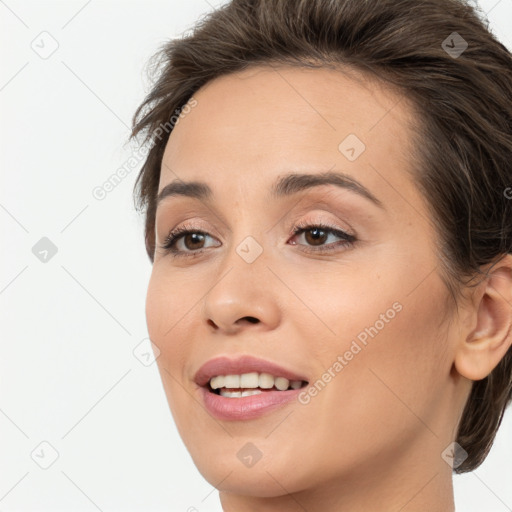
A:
(244, 297)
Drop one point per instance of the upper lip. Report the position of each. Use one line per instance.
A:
(224, 365)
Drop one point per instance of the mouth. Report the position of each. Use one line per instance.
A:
(246, 387)
(249, 384)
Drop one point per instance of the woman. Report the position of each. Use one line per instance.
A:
(329, 216)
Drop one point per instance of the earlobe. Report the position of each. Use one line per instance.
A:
(482, 348)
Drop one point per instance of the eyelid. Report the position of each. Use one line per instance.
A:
(192, 223)
(322, 217)
(202, 217)
(347, 239)
(311, 220)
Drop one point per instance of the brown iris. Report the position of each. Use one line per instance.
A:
(317, 236)
(195, 238)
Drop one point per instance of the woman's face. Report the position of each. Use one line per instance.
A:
(357, 316)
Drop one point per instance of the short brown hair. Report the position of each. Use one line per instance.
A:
(463, 140)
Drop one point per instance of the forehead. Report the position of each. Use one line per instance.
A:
(250, 126)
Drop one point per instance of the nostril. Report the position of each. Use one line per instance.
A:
(252, 319)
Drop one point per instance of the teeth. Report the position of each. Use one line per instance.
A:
(231, 394)
(232, 381)
(239, 394)
(249, 392)
(266, 381)
(251, 382)
(217, 382)
(281, 383)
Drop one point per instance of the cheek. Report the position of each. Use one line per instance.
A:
(168, 324)
(168, 299)
(156, 297)
(393, 372)
(166, 317)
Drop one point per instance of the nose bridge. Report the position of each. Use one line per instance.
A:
(248, 252)
(249, 234)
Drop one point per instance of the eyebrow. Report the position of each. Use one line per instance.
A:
(285, 186)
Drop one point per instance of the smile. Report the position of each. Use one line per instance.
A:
(246, 387)
(254, 383)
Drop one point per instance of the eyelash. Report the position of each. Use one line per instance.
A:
(298, 229)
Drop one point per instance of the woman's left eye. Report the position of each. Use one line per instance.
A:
(318, 234)
(192, 241)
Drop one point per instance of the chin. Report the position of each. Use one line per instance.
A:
(263, 480)
(255, 465)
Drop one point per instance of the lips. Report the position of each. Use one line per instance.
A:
(240, 365)
(242, 408)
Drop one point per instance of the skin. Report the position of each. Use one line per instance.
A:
(372, 438)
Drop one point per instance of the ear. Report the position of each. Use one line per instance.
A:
(490, 335)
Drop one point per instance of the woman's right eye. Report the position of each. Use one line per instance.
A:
(191, 242)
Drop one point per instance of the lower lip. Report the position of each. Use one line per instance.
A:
(246, 407)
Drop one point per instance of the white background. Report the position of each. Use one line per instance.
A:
(68, 374)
